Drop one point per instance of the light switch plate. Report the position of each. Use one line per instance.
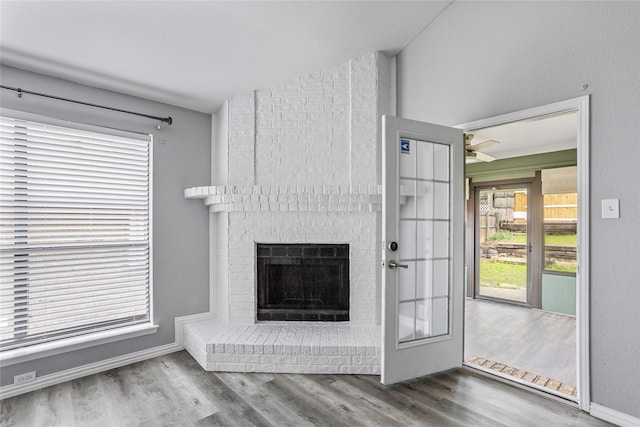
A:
(610, 208)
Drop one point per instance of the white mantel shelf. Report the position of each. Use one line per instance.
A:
(289, 198)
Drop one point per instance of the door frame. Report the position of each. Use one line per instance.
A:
(534, 239)
(580, 106)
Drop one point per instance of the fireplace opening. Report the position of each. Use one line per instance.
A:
(303, 282)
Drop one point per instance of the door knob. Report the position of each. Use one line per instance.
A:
(393, 264)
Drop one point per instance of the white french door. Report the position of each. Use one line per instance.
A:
(423, 229)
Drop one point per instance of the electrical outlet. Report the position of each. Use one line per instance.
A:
(27, 377)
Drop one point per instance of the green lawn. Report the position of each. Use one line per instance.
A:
(498, 273)
(495, 273)
(568, 267)
(549, 239)
(561, 239)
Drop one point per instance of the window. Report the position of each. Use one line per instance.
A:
(559, 187)
(75, 238)
(560, 232)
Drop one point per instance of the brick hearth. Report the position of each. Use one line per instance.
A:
(292, 347)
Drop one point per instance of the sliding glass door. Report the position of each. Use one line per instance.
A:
(503, 243)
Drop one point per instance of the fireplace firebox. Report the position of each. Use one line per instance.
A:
(303, 282)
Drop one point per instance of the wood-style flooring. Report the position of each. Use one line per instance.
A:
(174, 390)
(529, 340)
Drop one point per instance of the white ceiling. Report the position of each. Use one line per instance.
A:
(196, 54)
(534, 136)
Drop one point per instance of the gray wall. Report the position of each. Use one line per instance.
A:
(481, 59)
(181, 158)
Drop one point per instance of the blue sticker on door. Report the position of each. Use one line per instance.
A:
(405, 147)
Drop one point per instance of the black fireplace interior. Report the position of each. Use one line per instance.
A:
(304, 282)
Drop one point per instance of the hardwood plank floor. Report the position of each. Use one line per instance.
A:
(173, 390)
(530, 340)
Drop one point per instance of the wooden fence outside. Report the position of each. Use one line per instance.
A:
(557, 207)
(508, 210)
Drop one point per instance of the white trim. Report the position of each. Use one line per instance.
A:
(582, 276)
(574, 104)
(104, 365)
(90, 369)
(38, 351)
(394, 85)
(213, 262)
(150, 239)
(581, 106)
(180, 323)
(613, 416)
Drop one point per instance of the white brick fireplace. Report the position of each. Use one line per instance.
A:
(298, 163)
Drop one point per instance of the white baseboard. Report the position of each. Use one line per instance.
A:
(84, 370)
(613, 416)
(104, 365)
(180, 322)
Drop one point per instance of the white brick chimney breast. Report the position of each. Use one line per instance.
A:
(299, 162)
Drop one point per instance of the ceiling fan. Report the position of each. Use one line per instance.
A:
(473, 153)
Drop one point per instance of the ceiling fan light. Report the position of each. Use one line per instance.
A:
(471, 157)
(476, 157)
(482, 157)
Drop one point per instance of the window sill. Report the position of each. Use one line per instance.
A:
(38, 351)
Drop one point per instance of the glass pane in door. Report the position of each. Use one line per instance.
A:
(503, 244)
(561, 232)
(424, 285)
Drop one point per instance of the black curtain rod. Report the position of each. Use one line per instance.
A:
(20, 91)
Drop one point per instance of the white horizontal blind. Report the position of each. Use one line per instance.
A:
(74, 231)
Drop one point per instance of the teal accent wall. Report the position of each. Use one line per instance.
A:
(559, 293)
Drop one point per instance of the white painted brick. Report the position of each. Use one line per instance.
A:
(311, 93)
(287, 121)
(323, 369)
(270, 101)
(253, 358)
(221, 358)
(339, 360)
(313, 360)
(282, 107)
(268, 368)
(230, 367)
(284, 359)
(366, 360)
(262, 108)
(360, 370)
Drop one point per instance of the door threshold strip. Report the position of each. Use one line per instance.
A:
(540, 380)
